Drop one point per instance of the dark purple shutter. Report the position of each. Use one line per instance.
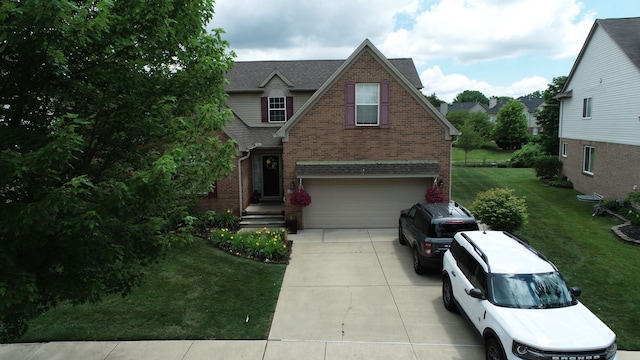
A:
(289, 107)
(384, 104)
(264, 108)
(350, 98)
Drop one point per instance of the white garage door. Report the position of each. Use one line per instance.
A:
(360, 203)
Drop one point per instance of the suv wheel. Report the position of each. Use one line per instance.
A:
(494, 350)
(401, 238)
(447, 294)
(417, 266)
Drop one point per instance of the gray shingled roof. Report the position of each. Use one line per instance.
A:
(466, 106)
(400, 168)
(625, 32)
(247, 76)
(247, 137)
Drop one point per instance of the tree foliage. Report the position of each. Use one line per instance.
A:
(549, 116)
(511, 125)
(107, 108)
(434, 100)
(471, 96)
(479, 121)
(469, 140)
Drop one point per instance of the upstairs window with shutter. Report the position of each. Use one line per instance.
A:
(367, 105)
(276, 109)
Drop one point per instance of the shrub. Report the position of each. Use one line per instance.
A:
(500, 209)
(265, 244)
(524, 158)
(547, 166)
(559, 183)
(634, 197)
(226, 220)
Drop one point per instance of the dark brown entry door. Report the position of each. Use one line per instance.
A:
(271, 175)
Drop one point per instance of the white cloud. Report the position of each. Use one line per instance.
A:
(485, 30)
(448, 86)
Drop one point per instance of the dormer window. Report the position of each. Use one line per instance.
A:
(277, 109)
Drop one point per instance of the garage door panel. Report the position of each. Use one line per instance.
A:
(360, 203)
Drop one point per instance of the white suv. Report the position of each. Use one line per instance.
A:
(518, 302)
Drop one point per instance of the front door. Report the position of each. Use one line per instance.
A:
(271, 176)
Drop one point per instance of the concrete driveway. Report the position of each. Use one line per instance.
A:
(354, 294)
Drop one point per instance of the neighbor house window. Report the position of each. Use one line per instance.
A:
(586, 107)
(367, 102)
(565, 148)
(277, 109)
(588, 159)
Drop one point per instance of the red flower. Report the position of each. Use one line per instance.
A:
(300, 197)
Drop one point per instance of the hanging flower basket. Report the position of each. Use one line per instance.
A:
(300, 197)
(434, 194)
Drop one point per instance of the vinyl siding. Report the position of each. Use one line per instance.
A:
(606, 75)
(247, 106)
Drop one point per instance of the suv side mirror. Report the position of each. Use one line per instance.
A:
(477, 294)
(576, 291)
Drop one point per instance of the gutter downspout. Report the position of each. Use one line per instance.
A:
(240, 190)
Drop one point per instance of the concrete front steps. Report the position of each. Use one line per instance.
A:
(261, 215)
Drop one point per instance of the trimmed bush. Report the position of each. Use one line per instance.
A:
(525, 157)
(500, 209)
(547, 166)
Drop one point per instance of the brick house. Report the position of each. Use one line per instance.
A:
(357, 134)
(599, 125)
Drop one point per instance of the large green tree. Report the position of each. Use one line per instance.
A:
(479, 121)
(471, 96)
(511, 125)
(549, 116)
(107, 115)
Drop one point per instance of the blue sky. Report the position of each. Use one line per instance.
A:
(498, 47)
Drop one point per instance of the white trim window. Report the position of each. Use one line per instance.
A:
(588, 159)
(277, 109)
(367, 104)
(586, 107)
(565, 149)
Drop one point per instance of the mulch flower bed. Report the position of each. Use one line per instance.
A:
(632, 231)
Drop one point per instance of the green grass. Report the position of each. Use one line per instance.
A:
(583, 247)
(198, 292)
(484, 156)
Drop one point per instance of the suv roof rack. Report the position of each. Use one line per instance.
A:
(478, 250)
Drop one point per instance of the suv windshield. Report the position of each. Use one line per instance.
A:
(534, 291)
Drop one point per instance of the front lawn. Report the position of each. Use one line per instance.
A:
(485, 156)
(582, 246)
(197, 292)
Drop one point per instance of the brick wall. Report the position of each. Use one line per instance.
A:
(414, 134)
(228, 195)
(616, 168)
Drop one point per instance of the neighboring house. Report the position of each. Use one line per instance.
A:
(356, 133)
(599, 126)
(465, 106)
(531, 105)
